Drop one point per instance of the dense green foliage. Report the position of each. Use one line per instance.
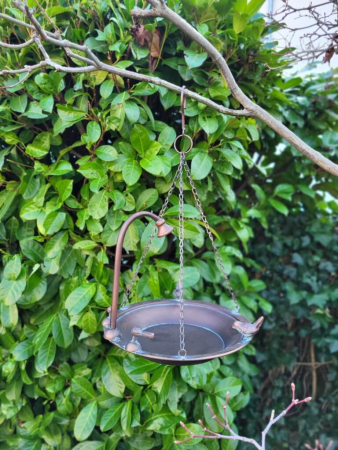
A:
(82, 152)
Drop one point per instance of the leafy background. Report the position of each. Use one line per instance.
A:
(80, 153)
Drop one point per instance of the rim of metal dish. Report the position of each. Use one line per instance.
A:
(195, 304)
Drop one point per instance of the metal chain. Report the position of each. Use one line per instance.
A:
(182, 351)
(152, 236)
(207, 227)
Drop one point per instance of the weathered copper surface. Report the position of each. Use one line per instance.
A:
(208, 328)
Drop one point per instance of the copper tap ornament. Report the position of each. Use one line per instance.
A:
(175, 331)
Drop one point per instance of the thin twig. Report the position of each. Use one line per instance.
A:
(234, 436)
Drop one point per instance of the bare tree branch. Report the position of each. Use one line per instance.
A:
(95, 64)
(322, 29)
(161, 10)
(16, 46)
(234, 436)
(319, 446)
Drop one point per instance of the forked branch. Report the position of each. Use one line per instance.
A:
(232, 436)
(319, 446)
(159, 9)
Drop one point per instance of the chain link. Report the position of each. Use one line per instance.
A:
(182, 351)
(152, 236)
(207, 227)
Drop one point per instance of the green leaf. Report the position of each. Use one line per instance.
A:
(132, 111)
(45, 83)
(279, 206)
(62, 331)
(126, 415)
(19, 103)
(306, 190)
(152, 164)
(284, 191)
(43, 332)
(146, 199)
(85, 422)
(208, 122)
(64, 188)
(140, 140)
(55, 10)
(190, 212)
(98, 205)
(45, 355)
(56, 244)
(191, 276)
(196, 376)
(162, 421)
(13, 268)
(111, 377)
(24, 350)
(40, 146)
(201, 166)
(106, 88)
(89, 322)
(240, 21)
(54, 222)
(85, 245)
(254, 6)
(93, 132)
(161, 382)
(11, 290)
(111, 417)
(229, 384)
(70, 114)
(194, 59)
(181, 434)
(60, 168)
(106, 153)
(139, 366)
(131, 171)
(233, 157)
(83, 388)
(9, 315)
(80, 297)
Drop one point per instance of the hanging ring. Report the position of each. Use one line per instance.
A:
(191, 143)
(183, 105)
(182, 353)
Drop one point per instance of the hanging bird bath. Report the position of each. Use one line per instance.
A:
(175, 331)
(152, 329)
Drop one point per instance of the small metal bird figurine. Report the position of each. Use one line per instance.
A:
(248, 329)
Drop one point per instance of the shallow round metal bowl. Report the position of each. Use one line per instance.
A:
(209, 331)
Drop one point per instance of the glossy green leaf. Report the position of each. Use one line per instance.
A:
(23, 350)
(106, 153)
(111, 417)
(111, 377)
(140, 140)
(83, 388)
(62, 331)
(80, 297)
(98, 205)
(201, 166)
(45, 355)
(131, 171)
(85, 421)
(279, 206)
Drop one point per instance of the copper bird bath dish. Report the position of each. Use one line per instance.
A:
(175, 331)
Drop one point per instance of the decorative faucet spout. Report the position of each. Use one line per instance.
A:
(163, 230)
